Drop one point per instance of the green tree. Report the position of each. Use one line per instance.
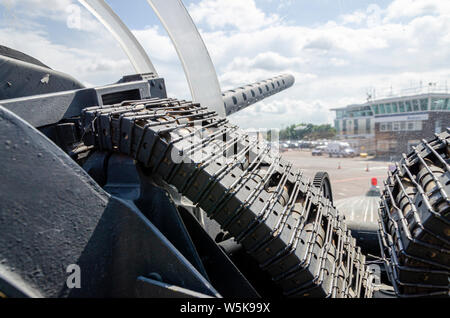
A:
(307, 132)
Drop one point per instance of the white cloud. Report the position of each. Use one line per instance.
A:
(88, 66)
(47, 8)
(64, 11)
(334, 63)
(284, 4)
(243, 15)
(156, 44)
(270, 61)
(414, 8)
(279, 111)
(356, 17)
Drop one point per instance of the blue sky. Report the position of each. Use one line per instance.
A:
(338, 50)
(297, 12)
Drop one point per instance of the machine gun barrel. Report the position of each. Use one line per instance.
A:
(244, 96)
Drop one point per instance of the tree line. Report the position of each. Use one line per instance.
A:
(307, 132)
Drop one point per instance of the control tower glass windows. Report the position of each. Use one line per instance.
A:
(382, 109)
(376, 109)
(394, 107)
(340, 114)
(408, 106)
(415, 104)
(424, 104)
(401, 107)
(360, 112)
(434, 103)
(439, 104)
(388, 108)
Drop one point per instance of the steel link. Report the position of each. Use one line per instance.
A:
(280, 218)
(414, 222)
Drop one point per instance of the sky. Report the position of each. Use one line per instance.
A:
(338, 50)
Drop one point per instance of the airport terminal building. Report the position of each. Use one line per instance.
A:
(391, 126)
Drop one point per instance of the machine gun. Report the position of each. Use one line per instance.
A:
(120, 191)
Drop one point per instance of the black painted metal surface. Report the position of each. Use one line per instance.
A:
(224, 275)
(415, 220)
(282, 220)
(51, 108)
(20, 79)
(242, 97)
(52, 215)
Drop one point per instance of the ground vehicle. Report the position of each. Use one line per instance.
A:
(284, 146)
(337, 149)
(318, 151)
(304, 144)
(349, 152)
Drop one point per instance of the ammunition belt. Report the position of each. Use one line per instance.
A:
(269, 207)
(414, 221)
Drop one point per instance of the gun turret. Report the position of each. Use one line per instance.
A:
(244, 96)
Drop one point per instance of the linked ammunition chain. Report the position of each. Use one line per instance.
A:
(268, 206)
(415, 220)
(322, 181)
